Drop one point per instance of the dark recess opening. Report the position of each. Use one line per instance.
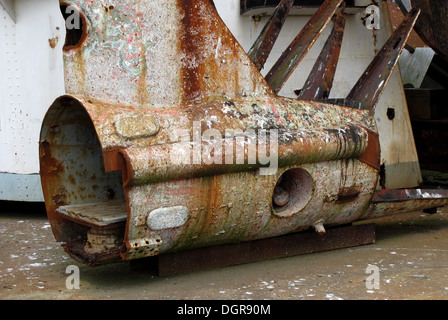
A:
(75, 26)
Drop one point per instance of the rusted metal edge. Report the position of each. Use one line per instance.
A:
(80, 34)
(138, 248)
(382, 209)
(372, 154)
(320, 81)
(75, 248)
(300, 46)
(265, 42)
(265, 249)
(367, 91)
(395, 201)
(400, 195)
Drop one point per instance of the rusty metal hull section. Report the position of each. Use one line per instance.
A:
(220, 212)
(170, 139)
(138, 172)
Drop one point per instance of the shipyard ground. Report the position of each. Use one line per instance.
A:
(408, 261)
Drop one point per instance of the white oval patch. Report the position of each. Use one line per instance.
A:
(166, 218)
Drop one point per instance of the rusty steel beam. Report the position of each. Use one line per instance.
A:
(265, 249)
(367, 91)
(319, 83)
(264, 43)
(389, 202)
(401, 195)
(300, 46)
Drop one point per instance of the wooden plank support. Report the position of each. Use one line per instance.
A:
(265, 249)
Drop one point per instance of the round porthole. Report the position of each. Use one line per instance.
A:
(292, 192)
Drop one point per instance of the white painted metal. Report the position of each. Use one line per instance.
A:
(31, 77)
(415, 65)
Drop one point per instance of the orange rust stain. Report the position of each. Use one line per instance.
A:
(190, 43)
(211, 56)
(50, 170)
(53, 42)
(372, 154)
(72, 179)
(143, 93)
(80, 70)
(50, 166)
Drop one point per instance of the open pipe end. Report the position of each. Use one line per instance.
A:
(85, 202)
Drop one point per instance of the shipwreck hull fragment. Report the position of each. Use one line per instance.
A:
(170, 139)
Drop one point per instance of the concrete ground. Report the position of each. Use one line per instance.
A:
(408, 261)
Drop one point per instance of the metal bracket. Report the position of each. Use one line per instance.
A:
(9, 6)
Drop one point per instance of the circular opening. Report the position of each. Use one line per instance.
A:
(390, 113)
(292, 192)
(75, 25)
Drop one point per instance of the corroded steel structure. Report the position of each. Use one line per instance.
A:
(171, 139)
